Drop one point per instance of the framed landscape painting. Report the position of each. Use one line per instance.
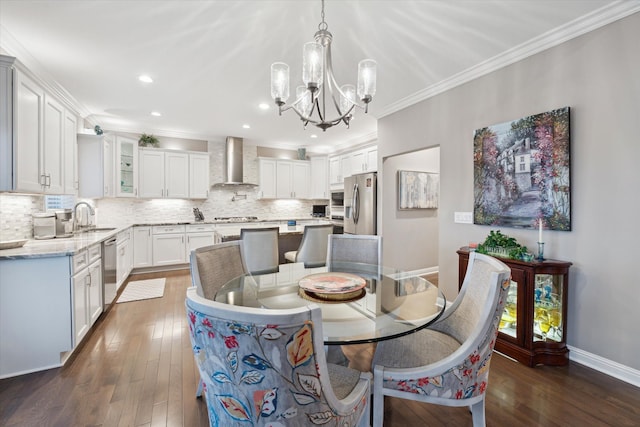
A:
(521, 172)
(418, 190)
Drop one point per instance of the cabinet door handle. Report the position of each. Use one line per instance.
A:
(87, 280)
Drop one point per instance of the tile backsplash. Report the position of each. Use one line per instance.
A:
(16, 222)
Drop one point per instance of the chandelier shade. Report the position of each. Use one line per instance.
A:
(321, 91)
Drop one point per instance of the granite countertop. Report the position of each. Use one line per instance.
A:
(72, 245)
(58, 247)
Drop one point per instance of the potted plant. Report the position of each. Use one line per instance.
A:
(501, 245)
(148, 140)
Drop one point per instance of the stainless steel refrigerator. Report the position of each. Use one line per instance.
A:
(360, 199)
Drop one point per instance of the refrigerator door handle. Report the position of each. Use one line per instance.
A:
(356, 203)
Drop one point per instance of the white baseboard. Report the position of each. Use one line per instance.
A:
(606, 366)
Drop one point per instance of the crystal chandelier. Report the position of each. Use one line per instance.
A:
(320, 86)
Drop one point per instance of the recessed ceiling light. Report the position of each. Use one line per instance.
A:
(156, 114)
(245, 126)
(313, 135)
(264, 106)
(145, 79)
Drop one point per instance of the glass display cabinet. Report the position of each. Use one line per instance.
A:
(126, 167)
(533, 326)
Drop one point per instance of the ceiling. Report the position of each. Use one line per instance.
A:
(210, 59)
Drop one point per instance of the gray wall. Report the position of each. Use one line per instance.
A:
(598, 76)
(409, 226)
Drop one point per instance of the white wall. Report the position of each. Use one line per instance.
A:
(598, 76)
(409, 226)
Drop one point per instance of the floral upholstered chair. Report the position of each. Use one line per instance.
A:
(448, 363)
(262, 367)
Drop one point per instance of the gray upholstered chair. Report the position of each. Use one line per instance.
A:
(357, 248)
(268, 367)
(313, 247)
(213, 266)
(260, 249)
(448, 363)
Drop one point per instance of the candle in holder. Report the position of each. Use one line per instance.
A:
(540, 230)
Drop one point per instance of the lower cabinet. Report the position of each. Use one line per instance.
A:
(86, 285)
(197, 236)
(124, 258)
(142, 247)
(169, 245)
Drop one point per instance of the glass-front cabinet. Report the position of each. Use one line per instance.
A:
(126, 167)
(533, 327)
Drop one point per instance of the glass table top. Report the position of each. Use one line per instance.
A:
(392, 303)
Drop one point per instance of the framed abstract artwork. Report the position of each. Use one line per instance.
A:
(418, 190)
(521, 172)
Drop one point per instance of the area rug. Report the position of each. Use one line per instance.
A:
(142, 289)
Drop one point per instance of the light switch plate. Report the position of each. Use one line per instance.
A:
(463, 217)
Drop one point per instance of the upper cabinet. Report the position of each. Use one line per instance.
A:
(173, 174)
(284, 179)
(352, 163)
(36, 138)
(126, 167)
(70, 153)
(319, 178)
(96, 155)
(199, 176)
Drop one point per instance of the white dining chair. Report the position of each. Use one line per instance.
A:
(313, 247)
(260, 249)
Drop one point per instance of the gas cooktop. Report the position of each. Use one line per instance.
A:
(236, 218)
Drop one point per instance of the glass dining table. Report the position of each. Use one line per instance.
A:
(383, 303)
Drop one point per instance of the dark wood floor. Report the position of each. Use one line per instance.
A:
(137, 369)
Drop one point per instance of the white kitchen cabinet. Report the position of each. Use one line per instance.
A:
(142, 247)
(86, 285)
(336, 178)
(95, 291)
(267, 170)
(284, 179)
(198, 176)
(319, 183)
(363, 160)
(163, 174)
(29, 119)
(176, 175)
(124, 258)
(70, 153)
(198, 236)
(33, 135)
(53, 144)
(126, 167)
(96, 155)
(151, 173)
(6, 123)
(169, 245)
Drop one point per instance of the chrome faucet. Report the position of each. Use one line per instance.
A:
(75, 213)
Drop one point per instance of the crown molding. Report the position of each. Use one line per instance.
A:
(27, 64)
(585, 24)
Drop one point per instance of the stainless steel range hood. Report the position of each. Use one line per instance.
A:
(233, 170)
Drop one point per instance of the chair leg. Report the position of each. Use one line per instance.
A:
(378, 400)
(199, 390)
(477, 412)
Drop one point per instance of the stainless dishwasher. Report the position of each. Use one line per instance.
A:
(109, 278)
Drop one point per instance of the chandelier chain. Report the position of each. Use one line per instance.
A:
(322, 26)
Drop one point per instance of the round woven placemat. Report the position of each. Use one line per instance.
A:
(332, 298)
